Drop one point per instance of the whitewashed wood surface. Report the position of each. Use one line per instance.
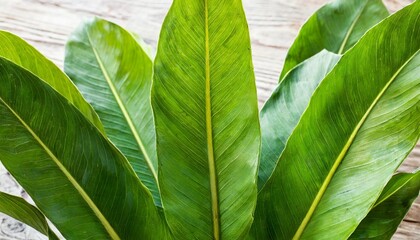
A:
(273, 24)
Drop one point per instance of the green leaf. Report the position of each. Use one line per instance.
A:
(16, 50)
(282, 111)
(337, 26)
(77, 178)
(115, 75)
(20, 210)
(391, 207)
(361, 123)
(206, 114)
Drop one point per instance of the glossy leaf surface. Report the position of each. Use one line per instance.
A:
(337, 26)
(205, 107)
(20, 210)
(360, 124)
(115, 75)
(390, 209)
(77, 178)
(282, 111)
(21, 53)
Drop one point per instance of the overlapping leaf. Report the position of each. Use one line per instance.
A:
(361, 123)
(77, 178)
(21, 53)
(114, 73)
(390, 209)
(283, 109)
(337, 26)
(19, 209)
(205, 107)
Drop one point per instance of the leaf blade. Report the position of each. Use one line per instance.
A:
(337, 26)
(282, 111)
(71, 179)
(201, 144)
(20, 210)
(21, 53)
(117, 83)
(93, 184)
(333, 194)
(391, 207)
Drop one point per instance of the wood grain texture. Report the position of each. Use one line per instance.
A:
(274, 24)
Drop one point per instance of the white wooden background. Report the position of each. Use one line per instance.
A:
(273, 25)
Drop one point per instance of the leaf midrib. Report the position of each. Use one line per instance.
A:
(124, 111)
(350, 30)
(209, 131)
(344, 151)
(107, 226)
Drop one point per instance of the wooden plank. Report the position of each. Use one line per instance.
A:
(273, 24)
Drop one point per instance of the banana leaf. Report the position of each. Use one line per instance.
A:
(282, 111)
(16, 50)
(205, 107)
(391, 207)
(114, 74)
(20, 210)
(75, 176)
(336, 26)
(361, 123)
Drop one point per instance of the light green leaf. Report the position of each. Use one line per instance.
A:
(20, 210)
(391, 207)
(337, 26)
(282, 111)
(206, 114)
(77, 178)
(115, 75)
(16, 50)
(361, 123)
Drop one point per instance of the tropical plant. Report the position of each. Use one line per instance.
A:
(189, 156)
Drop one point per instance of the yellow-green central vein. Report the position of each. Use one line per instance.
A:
(350, 30)
(124, 112)
(343, 153)
(66, 173)
(209, 129)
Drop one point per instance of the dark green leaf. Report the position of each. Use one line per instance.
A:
(16, 50)
(20, 210)
(390, 209)
(361, 123)
(337, 26)
(115, 75)
(76, 177)
(283, 109)
(205, 107)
